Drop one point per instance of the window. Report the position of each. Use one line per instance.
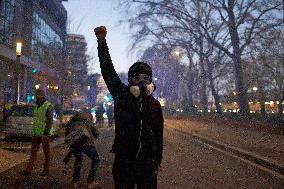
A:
(7, 13)
(44, 39)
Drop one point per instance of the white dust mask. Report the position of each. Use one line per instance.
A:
(136, 91)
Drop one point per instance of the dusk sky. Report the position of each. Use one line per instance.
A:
(93, 13)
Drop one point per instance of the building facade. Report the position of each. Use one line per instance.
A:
(40, 26)
(76, 87)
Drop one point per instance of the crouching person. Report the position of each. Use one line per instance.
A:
(80, 135)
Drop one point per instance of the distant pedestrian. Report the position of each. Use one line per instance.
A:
(42, 123)
(138, 143)
(80, 135)
(110, 115)
(100, 115)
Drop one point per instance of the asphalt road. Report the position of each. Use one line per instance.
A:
(187, 164)
(190, 164)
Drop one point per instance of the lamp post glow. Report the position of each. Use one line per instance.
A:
(177, 52)
(254, 88)
(19, 49)
(37, 86)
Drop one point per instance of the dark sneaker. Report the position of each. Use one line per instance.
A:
(44, 173)
(25, 173)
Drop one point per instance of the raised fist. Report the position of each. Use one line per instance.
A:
(100, 32)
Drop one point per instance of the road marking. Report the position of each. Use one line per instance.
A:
(260, 162)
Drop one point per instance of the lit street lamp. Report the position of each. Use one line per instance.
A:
(18, 55)
(37, 86)
(177, 52)
(19, 49)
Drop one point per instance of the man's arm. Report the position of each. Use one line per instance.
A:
(49, 121)
(113, 82)
(159, 135)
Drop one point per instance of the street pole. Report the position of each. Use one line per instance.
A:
(18, 81)
(25, 85)
(18, 61)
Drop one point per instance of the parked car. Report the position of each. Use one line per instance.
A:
(19, 123)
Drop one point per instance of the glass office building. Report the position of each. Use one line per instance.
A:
(7, 14)
(44, 38)
(41, 28)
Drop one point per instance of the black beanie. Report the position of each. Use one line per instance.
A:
(139, 68)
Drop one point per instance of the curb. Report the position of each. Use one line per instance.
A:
(267, 163)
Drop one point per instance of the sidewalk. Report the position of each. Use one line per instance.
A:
(9, 159)
(267, 143)
(60, 179)
(14, 153)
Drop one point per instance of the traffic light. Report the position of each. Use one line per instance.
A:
(108, 98)
(35, 70)
(30, 98)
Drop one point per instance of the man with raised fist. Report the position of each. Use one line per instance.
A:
(139, 123)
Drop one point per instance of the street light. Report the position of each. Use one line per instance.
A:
(37, 86)
(89, 87)
(254, 88)
(177, 52)
(18, 55)
(19, 48)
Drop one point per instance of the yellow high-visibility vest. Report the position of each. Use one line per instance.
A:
(39, 119)
(8, 106)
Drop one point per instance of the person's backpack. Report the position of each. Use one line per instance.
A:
(78, 134)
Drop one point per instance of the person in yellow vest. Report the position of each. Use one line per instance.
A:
(42, 123)
(7, 110)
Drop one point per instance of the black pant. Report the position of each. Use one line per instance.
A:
(128, 174)
(110, 121)
(91, 152)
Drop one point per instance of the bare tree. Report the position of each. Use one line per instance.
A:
(236, 22)
(244, 20)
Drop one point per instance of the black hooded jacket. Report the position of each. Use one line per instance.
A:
(139, 121)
